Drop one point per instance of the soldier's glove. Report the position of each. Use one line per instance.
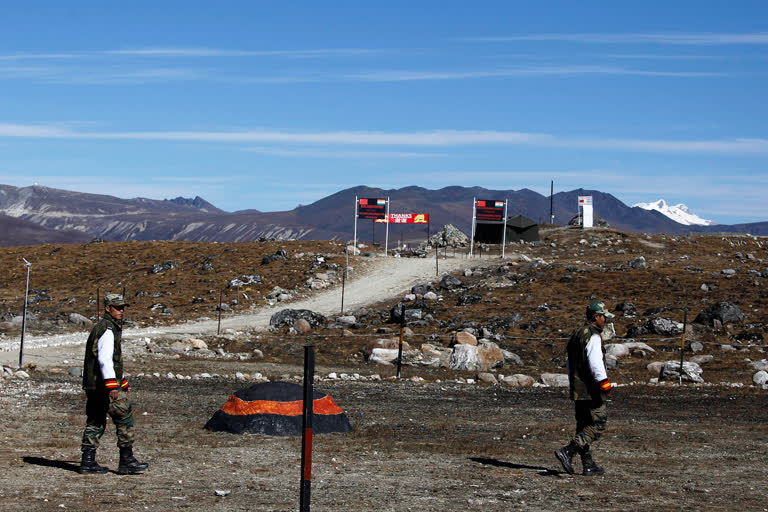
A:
(124, 386)
(605, 386)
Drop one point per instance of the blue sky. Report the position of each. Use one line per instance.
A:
(268, 105)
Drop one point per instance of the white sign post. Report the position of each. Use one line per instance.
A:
(472, 237)
(354, 246)
(386, 237)
(504, 234)
(585, 211)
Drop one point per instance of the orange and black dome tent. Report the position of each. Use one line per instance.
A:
(274, 409)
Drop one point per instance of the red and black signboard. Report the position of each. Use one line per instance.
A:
(489, 211)
(368, 208)
(406, 218)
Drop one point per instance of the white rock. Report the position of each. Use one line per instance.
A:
(21, 374)
(760, 378)
(383, 356)
(555, 380)
(617, 350)
(464, 357)
(430, 296)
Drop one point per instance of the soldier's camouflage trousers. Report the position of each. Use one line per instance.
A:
(591, 417)
(98, 406)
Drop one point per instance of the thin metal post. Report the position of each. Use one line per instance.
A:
(354, 240)
(386, 236)
(98, 299)
(504, 234)
(343, 282)
(551, 199)
(306, 431)
(437, 260)
(682, 344)
(472, 231)
(400, 345)
(24, 316)
(221, 296)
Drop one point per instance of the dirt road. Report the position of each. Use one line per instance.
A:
(382, 279)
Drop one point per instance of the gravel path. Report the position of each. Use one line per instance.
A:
(384, 278)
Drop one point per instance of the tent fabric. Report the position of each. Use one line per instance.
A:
(275, 408)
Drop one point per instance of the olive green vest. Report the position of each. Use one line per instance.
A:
(92, 378)
(583, 385)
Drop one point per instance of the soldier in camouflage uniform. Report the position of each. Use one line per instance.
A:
(107, 391)
(589, 387)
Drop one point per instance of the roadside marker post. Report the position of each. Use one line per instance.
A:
(221, 296)
(400, 345)
(682, 343)
(24, 316)
(306, 438)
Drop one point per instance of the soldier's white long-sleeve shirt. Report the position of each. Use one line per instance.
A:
(595, 358)
(106, 348)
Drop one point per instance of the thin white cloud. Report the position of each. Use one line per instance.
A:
(436, 138)
(671, 38)
(216, 52)
(404, 75)
(309, 153)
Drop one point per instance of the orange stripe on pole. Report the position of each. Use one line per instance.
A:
(236, 407)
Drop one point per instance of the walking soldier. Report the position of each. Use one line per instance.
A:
(107, 391)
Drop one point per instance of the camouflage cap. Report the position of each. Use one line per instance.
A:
(598, 308)
(114, 299)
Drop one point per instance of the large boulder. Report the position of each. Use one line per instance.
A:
(464, 357)
(760, 378)
(616, 350)
(724, 312)
(288, 317)
(489, 356)
(671, 371)
(760, 365)
(518, 380)
(448, 282)
(80, 320)
(555, 380)
(464, 338)
(665, 327)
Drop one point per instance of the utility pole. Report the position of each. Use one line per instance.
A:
(24, 316)
(551, 199)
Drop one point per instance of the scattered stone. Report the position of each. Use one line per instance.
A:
(671, 371)
(464, 337)
(159, 268)
(512, 358)
(488, 378)
(244, 280)
(638, 262)
(702, 358)
(555, 380)
(464, 357)
(761, 365)
(78, 319)
(760, 378)
(469, 298)
(696, 346)
(616, 350)
(724, 312)
(288, 318)
(518, 380)
(449, 282)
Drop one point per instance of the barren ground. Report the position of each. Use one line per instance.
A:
(431, 445)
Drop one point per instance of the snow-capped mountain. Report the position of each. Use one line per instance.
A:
(679, 213)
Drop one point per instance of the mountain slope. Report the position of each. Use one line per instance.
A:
(679, 213)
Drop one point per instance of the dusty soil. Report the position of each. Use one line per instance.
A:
(435, 446)
(430, 445)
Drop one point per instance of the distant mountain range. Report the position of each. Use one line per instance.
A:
(36, 214)
(679, 213)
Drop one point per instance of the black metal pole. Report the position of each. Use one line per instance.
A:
(98, 296)
(24, 317)
(682, 345)
(551, 198)
(306, 438)
(400, 345)
(221, 294)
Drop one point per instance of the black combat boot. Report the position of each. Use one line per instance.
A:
(565, 454)
(88, 464)
(590, 468)
(128, 463)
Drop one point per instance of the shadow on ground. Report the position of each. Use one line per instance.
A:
(60, 464)
(501, 464)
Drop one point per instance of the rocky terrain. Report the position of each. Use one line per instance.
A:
(481, 404)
